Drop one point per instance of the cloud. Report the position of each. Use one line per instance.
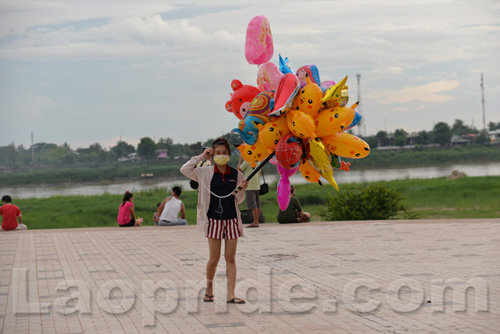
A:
(429, 92)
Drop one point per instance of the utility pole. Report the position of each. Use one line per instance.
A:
(358, 76)
(32, 150)
(482, 100)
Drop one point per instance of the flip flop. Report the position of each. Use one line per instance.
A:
(252, 225)
(210, 298)
(233, 301)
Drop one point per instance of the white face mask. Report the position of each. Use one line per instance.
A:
(221, 159)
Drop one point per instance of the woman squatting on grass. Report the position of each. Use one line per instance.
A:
(126, 213)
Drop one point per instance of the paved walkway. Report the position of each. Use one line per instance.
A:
(367, 277)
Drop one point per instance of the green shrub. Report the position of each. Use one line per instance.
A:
(373, 202)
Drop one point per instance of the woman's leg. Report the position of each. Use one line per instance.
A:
(213, 260)
(230, 257)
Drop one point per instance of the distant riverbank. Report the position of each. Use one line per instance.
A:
(353, 176)
(161, 170)
(467, 197)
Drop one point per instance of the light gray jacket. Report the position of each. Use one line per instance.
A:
(203, 175)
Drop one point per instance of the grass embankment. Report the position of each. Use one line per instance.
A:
(162, 169)
(469, 197)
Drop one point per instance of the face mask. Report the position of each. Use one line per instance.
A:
(221, 159)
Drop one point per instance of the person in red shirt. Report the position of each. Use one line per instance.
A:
(10, 214)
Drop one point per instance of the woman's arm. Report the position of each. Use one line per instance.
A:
(189, 170)
(132, 212)
(240, 195)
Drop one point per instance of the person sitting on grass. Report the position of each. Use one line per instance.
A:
(170, 208)
(156, 218)
(126, 213)
(10, 215)
(294, 213)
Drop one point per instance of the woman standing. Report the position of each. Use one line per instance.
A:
(126, 213)
(218, 215)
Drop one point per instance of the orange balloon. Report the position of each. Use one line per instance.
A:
(346, 145)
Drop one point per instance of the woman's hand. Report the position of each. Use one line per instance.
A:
(208, 153)
(244, 185)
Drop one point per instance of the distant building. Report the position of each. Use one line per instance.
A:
(161, 153)
(494, 136)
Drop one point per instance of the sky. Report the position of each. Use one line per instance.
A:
(92, 71)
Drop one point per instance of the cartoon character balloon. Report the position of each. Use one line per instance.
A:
(241, 98)
(259, 47)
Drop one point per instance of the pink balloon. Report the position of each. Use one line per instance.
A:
(259, 47)
(268, 76)
(284, 185)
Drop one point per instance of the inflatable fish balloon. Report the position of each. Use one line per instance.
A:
(334, 120)
(357, 117)
(346, 145)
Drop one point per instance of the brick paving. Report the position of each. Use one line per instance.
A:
(357, 277)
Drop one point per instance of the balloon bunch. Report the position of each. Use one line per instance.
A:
(293, 115)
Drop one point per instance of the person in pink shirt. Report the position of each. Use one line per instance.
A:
(126, 213)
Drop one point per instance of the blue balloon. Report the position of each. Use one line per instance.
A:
(284, 68)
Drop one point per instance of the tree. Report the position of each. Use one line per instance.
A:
(146, 148)
(423, 138)
(165, 143)
(459, 128)
(382, 137)
(493, 126)
(372, 141)
(400, 137)
(122, 149)
(442, 133)
(482, 138)
(60, 155)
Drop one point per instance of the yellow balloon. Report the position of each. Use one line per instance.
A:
(309, 173)
(334, 120)
(309, 99)
(334, 94)
(321, 160)
(271, 132)
(300, 124)
(346, 145)
(253, 153)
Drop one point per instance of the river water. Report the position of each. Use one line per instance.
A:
(353, 176)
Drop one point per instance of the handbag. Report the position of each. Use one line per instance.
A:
(264, 187)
